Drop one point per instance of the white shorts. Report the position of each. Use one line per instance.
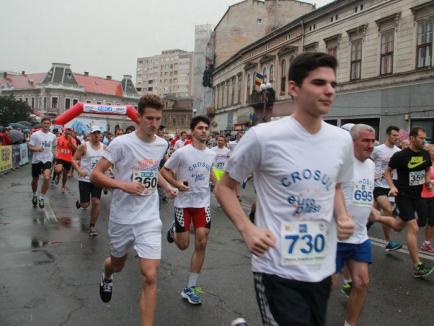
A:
(145, 236)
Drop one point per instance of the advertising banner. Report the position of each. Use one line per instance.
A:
(83, 126)
(107, 109)
(24, 154)
(5, 158)
(15, 156)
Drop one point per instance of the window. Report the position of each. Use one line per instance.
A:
(264, 75)
(54, 102)
(332, 46)
(387, 52)
(271, 77)
(33, 102)
(233, 84)
(239, 89)
(283, 77)
(424, 44)
(67, 103)
(249, 83)
(74, 101)
(356, 59)
(259, 20)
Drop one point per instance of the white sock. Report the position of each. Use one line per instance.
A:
(41, 196)
(192, 279)
(347, 280)
(426, 242)
(346, 324)
(35, 194)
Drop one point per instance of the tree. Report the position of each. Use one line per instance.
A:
(12, 110)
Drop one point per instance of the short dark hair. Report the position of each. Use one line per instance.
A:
(304, 63)
(45, 118)
(391, 128)
(199, 118)
(150, 101)
(415, 131)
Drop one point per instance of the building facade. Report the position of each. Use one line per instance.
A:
(168, 73)
(385, 74)
(57, 90)
(177, 113)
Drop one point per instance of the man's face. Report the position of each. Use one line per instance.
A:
(183, 136)
(150, 120)
(45, 125)
(68, 133)
(200, 132)
(220, 141)
(364, 145)
(95, 136)
(316, 94)
(418, 142)
(393, 137)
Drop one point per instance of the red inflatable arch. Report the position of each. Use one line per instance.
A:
(103, 109)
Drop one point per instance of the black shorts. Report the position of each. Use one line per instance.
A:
(427, 214)
(88, 190)
(408, 206)
(379, 191)
(66, 165)
(291, 302)
(39, 168)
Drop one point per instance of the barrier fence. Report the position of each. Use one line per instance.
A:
(13, 156)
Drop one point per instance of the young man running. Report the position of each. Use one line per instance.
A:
(192, 166)
(412, 165)
(222, 156)
(84, 162)
(300, 208)
(355, 251)
(66, 146)
(42, 143)
(381, 156)
(134, 213)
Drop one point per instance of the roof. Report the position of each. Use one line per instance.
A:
(98, 85)
(22, 81)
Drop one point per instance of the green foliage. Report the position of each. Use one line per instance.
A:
(12, 110)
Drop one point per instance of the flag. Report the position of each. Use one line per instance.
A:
(259, 79)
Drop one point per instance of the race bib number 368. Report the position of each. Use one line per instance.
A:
(303, 242)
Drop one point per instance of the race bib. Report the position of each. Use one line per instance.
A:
(416, 178)
(220, 165)
(148, 178)
(303, 242)
(94, 161)
(362, 193)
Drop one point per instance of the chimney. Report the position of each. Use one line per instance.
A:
(109, 77)
(86, 73)
(5, 75)
(23, 73)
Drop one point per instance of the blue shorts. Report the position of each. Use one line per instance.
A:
(349, 251)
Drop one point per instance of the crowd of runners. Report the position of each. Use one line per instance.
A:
(311, 217)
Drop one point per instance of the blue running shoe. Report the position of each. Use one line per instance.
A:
(192, 295)
(170, 233)
(392, 246)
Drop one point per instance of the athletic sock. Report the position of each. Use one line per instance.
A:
(346, 324)
(41, 196)
(347, 280)
(35, 194)
(192, 279)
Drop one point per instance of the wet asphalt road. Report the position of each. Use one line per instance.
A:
(50, 269)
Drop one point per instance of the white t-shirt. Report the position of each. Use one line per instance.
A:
(222, 156)
(359, 198)
(90, 159)
(381, 157)
(295, 175)
(48, 141)
(138, 161)
(231, 145)
(194, 166)
(178, 144)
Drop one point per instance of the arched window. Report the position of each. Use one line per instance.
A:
(271, 76)
(264, 74)
(249, 85)
(283, 77)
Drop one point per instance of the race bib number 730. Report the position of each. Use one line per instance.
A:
(303, 242)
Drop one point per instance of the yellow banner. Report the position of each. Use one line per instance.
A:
(5, 158)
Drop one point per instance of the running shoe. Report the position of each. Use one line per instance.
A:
(41, 203)
(35, 201)
(421, 270)
(105, 289)
(92, 232)
(170, 233)
(77, 204)
(192, 295)
(392, 246)
(346, 289)
(427, 247)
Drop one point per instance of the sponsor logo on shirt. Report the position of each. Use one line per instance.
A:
(415, 161)
(306, 175)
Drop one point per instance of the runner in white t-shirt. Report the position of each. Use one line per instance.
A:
(180, 142)
(192, 166)
(42, 143)
(381, 157)
(222, 156)
(355, 252)
(134, 213)
(300, 205)
(84, 162)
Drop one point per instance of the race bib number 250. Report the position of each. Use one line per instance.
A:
(303, 242)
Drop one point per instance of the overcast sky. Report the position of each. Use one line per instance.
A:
(102, 37)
